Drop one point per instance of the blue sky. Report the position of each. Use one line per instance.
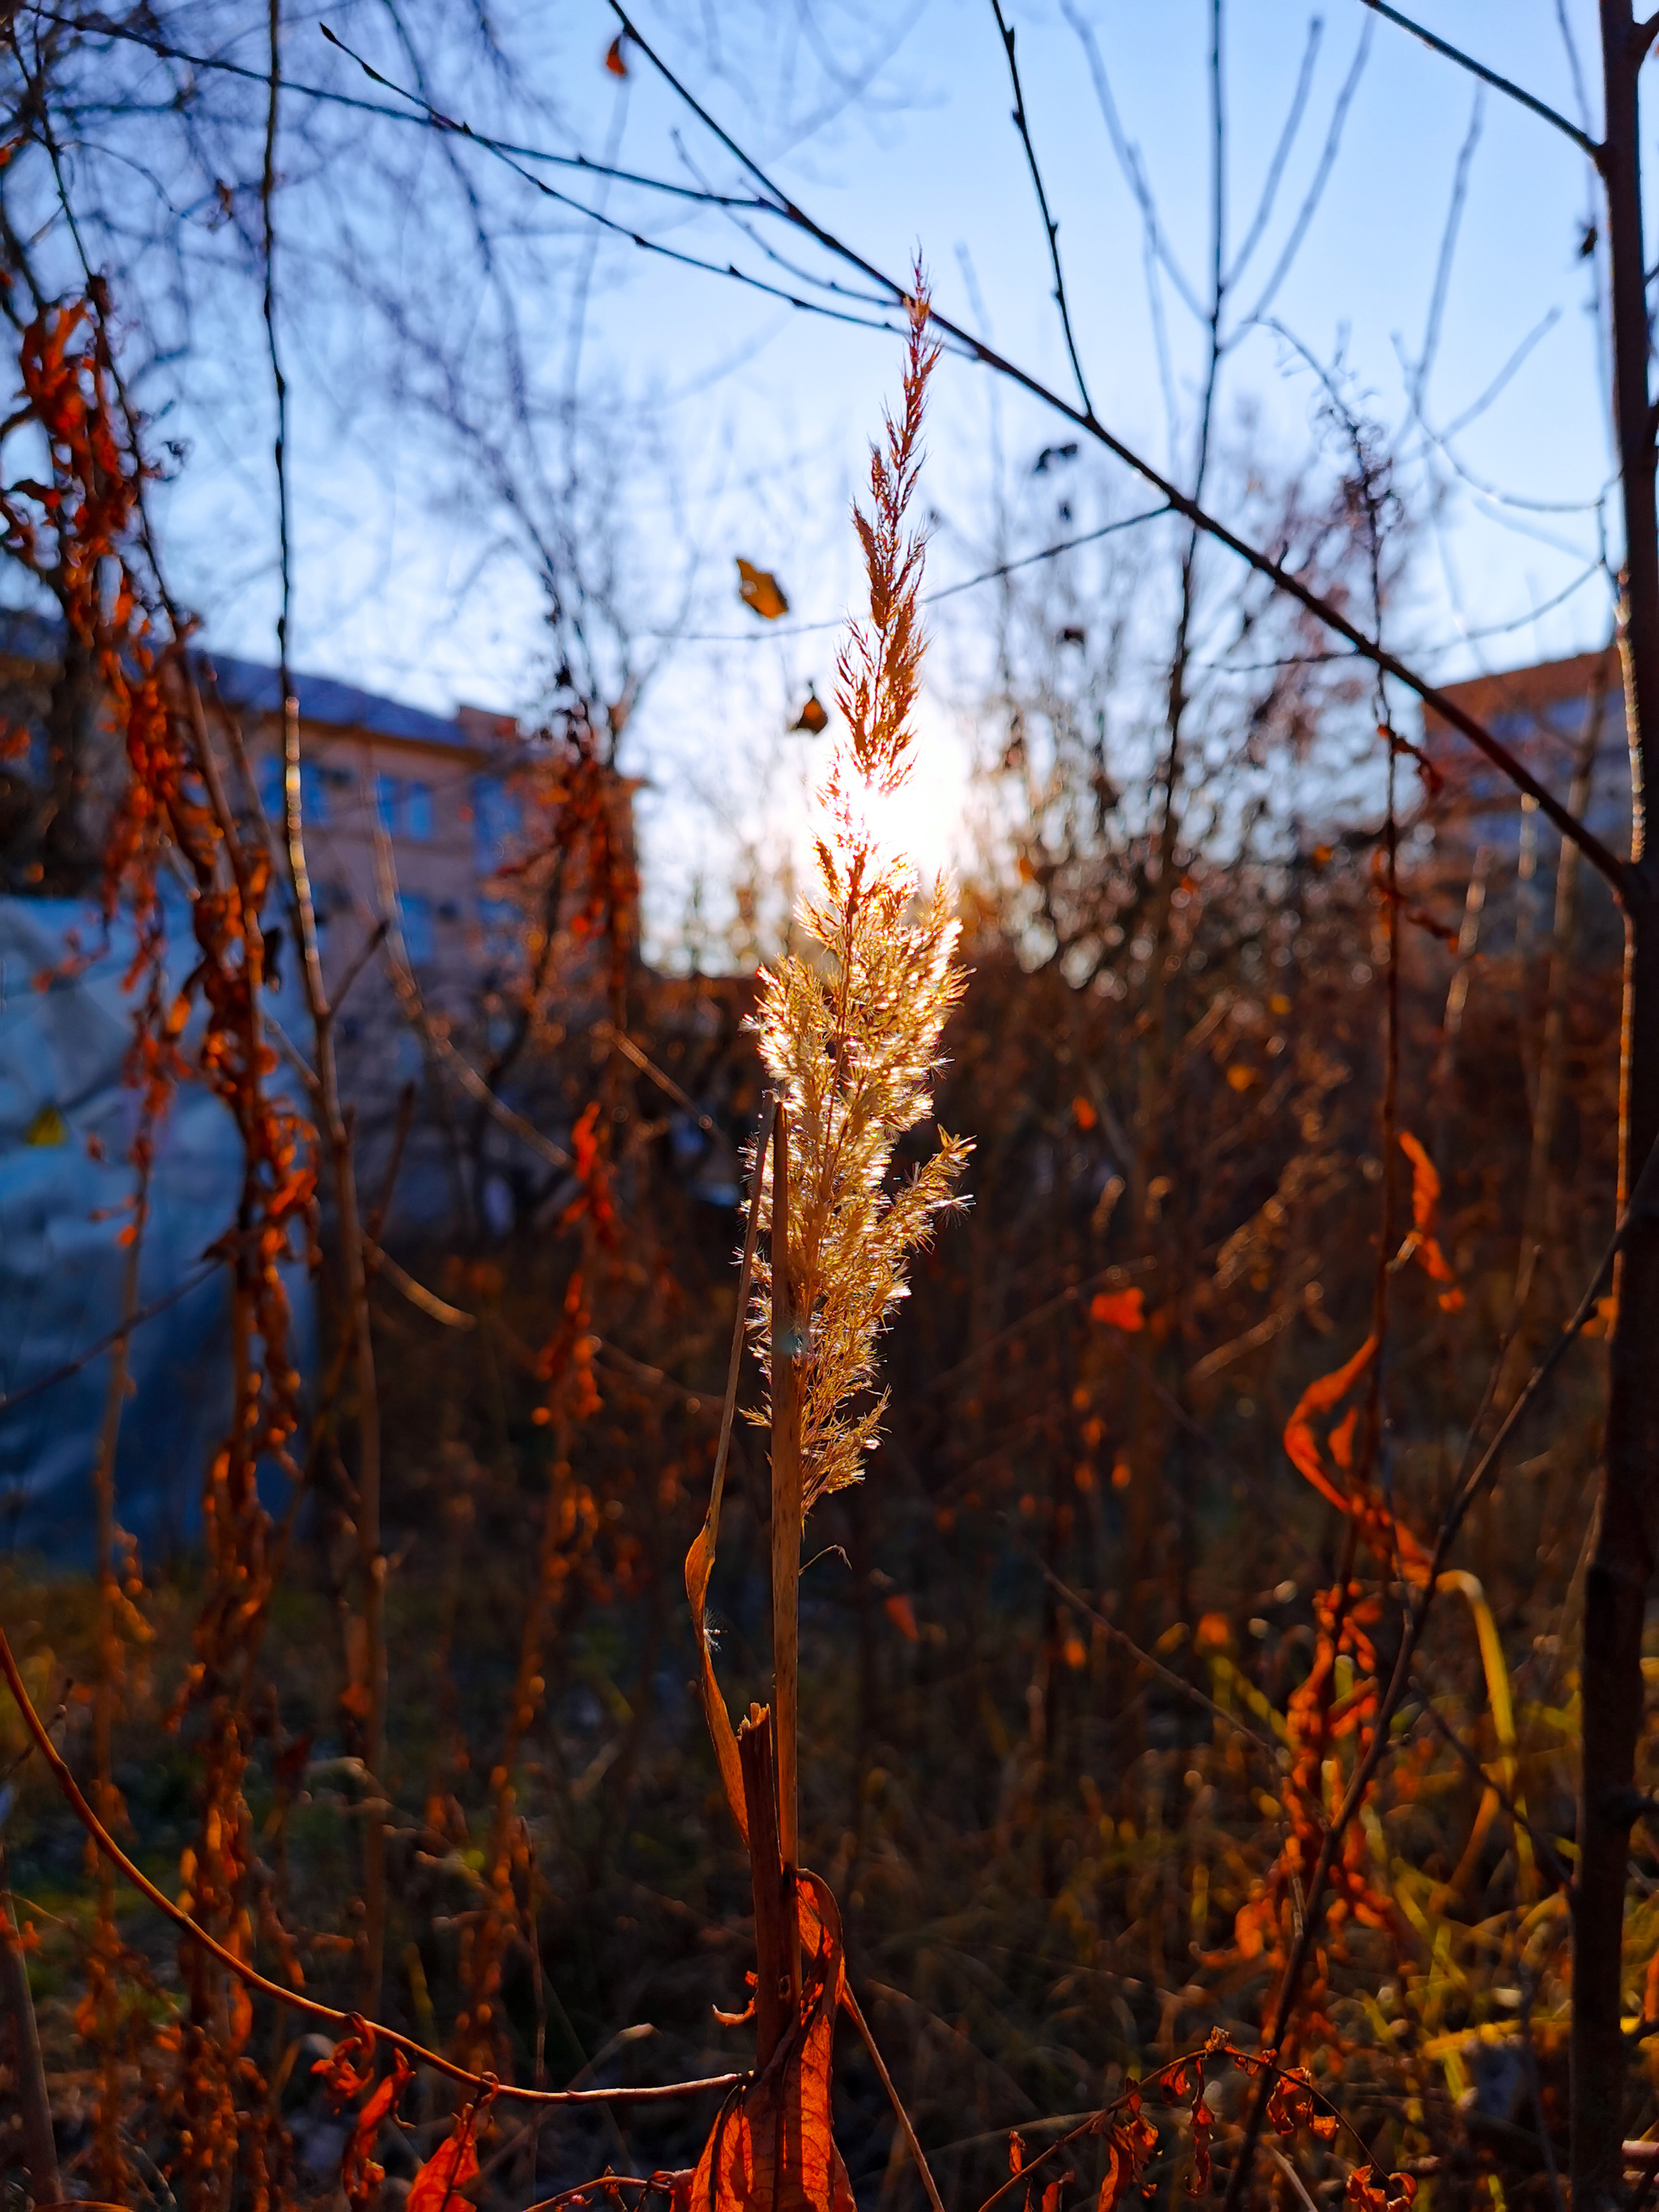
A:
(736, 426)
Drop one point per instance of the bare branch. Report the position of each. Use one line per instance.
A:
(1049, 224)
(295, 2000)
(1442, 267)
(1315, 192)
(1599, 856)
(1580, 139)
(1287, 137)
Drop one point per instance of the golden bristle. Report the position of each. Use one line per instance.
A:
(851, 1041)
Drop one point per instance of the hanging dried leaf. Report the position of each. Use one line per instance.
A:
(455, 2161)
(1393, 1543)
(773, 2151)
(1422, 1242)
(814, 716)
(902, 1614)
(1131, 2142)
(361, 2174)
(760, 589)
(344, 2081)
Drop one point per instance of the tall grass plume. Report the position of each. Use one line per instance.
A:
(849, 1030)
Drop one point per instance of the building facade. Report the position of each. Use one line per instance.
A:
(407, 815)
(1565, 720)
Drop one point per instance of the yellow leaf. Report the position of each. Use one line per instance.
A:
(48, 1127)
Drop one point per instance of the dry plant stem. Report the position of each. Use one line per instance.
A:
(354, 1268)
(734, 1365)
(774, 1919)
(39, 2146)
(108, 1671)
(849, 2005)
(408, 995)
(786, 1506)
(295, 2000)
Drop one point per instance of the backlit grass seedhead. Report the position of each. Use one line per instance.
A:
(851, 1039)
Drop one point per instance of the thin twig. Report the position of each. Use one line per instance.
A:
(1051, 227)
(296, 2000)
(1165, 1675)
(122, 1330)
(855, 2011)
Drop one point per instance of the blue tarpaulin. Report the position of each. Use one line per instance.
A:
(63, 1054)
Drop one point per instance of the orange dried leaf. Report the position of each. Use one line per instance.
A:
(1426, 1182)
(760, 589)
(773, 2152)
(902, 1614)
(1125, 1310)
(360, 2174)
(454, 2162)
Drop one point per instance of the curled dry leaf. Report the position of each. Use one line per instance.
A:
(772, 2150)
(1423, 1243)
(342, 2079)
(436, 2187)
(361, 2174)
(1389, 1538)
(1130, 2141)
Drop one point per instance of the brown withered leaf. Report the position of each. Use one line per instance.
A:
(614, 60)
(699, 1566)
(773, 2151)
(342, 2079)
(760, 589)
(1129, 2145)
(436, 2187)
(361, 2174)
(814, 716)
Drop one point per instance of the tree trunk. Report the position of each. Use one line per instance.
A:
(1620, 1569)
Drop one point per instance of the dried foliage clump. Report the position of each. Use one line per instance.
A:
(850, 1034)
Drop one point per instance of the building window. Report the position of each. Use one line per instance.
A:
(404, 809)
(498, 924)
(497, 820)
(414, 920)
(314, 790)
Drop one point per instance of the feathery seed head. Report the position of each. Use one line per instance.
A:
(850, 1038)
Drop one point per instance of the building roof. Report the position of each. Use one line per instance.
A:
(251, 685)
(1522, 697)
(325, 700)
